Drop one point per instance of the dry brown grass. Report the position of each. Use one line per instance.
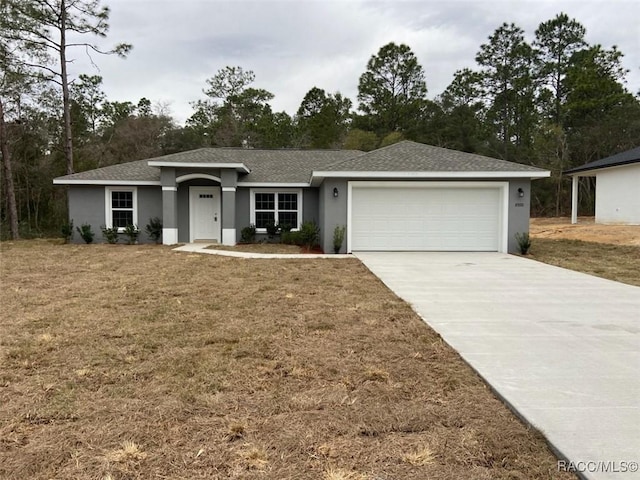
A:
(560, 228)
(131, 362)
(615, 262)
(260, 248)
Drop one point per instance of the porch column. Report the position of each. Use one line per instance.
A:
(574, 199)
(169, 206)
(229, 181)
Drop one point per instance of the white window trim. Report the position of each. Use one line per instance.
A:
(252, 219)
(108, 214)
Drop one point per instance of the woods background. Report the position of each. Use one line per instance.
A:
(556, 103)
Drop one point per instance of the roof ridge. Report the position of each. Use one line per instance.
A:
(363, 154)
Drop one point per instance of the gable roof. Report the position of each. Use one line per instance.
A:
(134, 173)
(622, 158)
(405, 159)
(259, 166)
(408, 156)
(286, 165)
(409, 159)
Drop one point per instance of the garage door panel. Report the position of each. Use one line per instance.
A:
(397, 218)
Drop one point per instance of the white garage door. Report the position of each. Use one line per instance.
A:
(425, 217)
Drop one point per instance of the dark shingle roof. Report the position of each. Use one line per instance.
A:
(286, 166)
(267, 166)
(407, 156)
(297, 166)
(131, 171)
(623, 158)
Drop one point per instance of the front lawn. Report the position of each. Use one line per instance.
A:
(615, 262)
(127, 362)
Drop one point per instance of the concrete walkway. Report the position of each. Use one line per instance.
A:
(561, 347)
(202, 248)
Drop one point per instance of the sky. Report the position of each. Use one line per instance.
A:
(295, 45)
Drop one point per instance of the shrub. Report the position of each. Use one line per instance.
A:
(154, 229)
(272, 229)
(248, 234)
(292, 238)
(309, 234)
(110, 234)
(132, 232)
(284, 227)
(524, 242)
(85, 232)
(338, 237)
(67, 231)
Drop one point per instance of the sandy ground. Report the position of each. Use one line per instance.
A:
(586, 230)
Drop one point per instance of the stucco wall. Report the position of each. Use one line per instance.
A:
(519, 210)
(87, 205)
(334, 212)
(243, 210)
(310, 199)
(618, 195)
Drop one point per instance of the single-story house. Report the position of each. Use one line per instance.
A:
(617, 187)
(406, 196)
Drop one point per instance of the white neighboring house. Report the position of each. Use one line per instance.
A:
(617, 187)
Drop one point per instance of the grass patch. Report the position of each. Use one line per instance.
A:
(141, 362)
(614, 262)
(279, 248)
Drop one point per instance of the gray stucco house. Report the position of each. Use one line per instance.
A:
(407, 196)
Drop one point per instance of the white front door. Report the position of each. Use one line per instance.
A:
(204, 214)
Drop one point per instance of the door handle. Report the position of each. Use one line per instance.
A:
(215, 217)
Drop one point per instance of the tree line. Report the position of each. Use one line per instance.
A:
(555, 103)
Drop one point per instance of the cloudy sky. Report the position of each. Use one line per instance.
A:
(294, 45)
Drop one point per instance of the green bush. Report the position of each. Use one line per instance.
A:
(292, 238)
(272, 229)
(85, 232)
(67, 231)
(309, 235)
(132, 232)
(110, 234)
(154, 229)
(338, 237)
(284, 227)
(524, 242)
(248, 234)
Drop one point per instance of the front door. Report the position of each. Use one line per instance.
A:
(204, 214)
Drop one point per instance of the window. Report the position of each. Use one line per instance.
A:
(121, 207)
(280, 207)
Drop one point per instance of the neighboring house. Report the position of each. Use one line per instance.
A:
(617, 187)
(407, 196)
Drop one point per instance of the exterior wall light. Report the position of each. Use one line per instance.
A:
(335, 192)
(520, 192)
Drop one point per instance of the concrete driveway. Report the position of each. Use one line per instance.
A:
(561, 347)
